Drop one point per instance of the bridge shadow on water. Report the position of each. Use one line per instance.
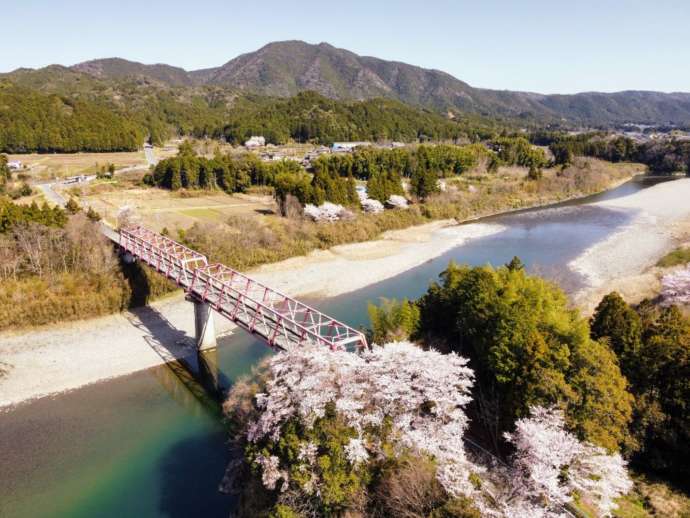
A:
(192, 468)
(194, 373)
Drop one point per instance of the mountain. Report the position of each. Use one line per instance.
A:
(54, 79)
(283, 69)
(117, 68)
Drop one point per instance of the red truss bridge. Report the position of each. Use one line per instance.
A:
(278, 319)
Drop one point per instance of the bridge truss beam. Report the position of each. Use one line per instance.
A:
(278, 319)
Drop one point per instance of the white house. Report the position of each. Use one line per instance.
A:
(347, 146)
(255, 141)
(14, 165)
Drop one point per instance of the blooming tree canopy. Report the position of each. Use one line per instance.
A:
(550, 464)
(371, 205)
(423, 393)
(397, 201)
(675, 287)
(326, 212)
(324, 417)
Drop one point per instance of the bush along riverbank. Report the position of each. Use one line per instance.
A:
(55, 266)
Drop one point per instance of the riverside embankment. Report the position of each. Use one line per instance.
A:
(67, 356)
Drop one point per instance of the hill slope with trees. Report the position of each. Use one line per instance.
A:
(287, 90)
(31, 121)
(286, 68)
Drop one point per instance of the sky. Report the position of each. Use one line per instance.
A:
(557, 46)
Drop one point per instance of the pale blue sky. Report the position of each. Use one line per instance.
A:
(541, 46)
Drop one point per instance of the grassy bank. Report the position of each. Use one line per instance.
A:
(650, 498)
(676, 257)
(248, 241)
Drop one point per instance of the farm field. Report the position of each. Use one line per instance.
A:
(60, 165)
(160, 209)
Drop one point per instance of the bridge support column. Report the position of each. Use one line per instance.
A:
(205, 330)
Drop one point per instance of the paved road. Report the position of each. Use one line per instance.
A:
(51, 194)
(55, 197)
(109, 232)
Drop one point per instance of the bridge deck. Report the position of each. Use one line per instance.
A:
(277, 318)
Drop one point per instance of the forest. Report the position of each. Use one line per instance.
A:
(120, 117)
(34, 122)
(310, 117)
(660, 156)
(55, 265)
(333, 175)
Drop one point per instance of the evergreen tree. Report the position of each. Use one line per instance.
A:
(424, 182)
(393, 320)
(618, 323)
(12, 214)
(4, 172)
(515, 264)
(527, 347)
(175, 180)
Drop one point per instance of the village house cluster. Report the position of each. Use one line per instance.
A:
(270, 152)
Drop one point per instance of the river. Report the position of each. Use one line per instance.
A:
(152, 444)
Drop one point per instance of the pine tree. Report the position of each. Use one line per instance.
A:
(424, 182)
(515, 264)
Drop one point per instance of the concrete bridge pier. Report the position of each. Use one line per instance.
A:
(204, 329)
(128, 258)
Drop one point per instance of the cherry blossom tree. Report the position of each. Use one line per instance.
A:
(327, 212)
(675, 287)
(423, 393)
(371, 205)
(414, 400)
(397, 202)
(550, 464)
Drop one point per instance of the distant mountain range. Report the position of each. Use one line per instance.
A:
(285, 68)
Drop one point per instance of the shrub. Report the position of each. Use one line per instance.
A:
(393, 321)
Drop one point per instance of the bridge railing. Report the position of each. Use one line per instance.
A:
(174, 260)
(279, 319)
